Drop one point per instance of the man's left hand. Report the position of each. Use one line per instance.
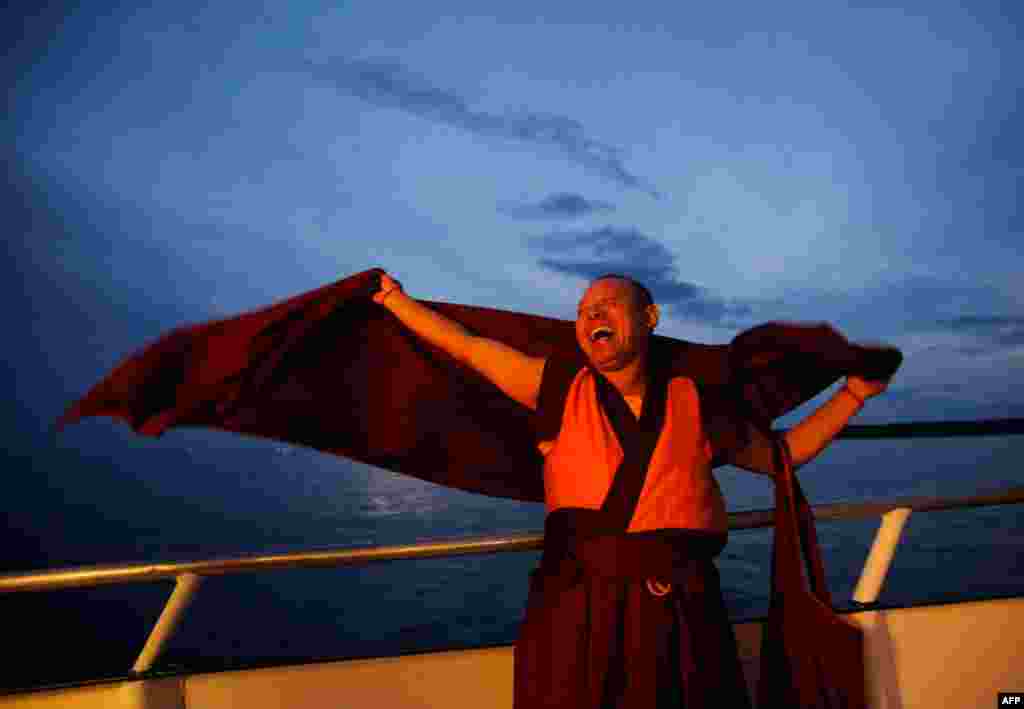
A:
(866, 388)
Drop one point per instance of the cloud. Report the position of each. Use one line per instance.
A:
(896, 303)
(948, 374)
(986, 335)
(592, 253)
(1001, 330)
(390, 84)
(561, 205)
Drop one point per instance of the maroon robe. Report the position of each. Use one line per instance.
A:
(596, 636)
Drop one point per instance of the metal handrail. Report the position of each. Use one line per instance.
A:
(83, 576)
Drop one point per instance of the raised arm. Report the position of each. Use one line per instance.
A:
(809, 437)
(512, 371)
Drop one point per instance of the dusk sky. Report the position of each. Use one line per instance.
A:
(856, 163)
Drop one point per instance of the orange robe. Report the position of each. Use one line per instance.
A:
(679, 490)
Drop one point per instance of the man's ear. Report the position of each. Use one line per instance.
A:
(652, 315)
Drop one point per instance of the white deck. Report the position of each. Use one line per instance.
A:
(954, 655)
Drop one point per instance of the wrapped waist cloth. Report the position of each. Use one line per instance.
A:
(626, 620)
(575, 540)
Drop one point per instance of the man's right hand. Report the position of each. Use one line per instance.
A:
(512, 371)
(387, 283)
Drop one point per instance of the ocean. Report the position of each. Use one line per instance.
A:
(99, 494)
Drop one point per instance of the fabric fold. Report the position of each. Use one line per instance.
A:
(811, 657)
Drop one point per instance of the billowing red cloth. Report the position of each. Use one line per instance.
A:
(332, 370)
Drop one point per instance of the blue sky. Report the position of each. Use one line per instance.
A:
(858, 163)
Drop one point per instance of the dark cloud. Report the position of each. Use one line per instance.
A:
(911, 305)
(561, 205)
(389, 83)
(592, 253)
(996, 332)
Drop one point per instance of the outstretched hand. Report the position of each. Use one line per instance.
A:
(866, 388)
(387, 284)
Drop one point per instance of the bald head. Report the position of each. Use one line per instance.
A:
(614, 322)
(642, 296)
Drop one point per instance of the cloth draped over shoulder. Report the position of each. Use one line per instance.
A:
(334, 371)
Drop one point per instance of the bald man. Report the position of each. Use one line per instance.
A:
(625, 608)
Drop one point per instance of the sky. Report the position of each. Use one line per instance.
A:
(858, 163)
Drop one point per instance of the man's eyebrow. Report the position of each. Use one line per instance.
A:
(579, 308)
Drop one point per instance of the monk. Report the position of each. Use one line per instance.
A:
(625, 608)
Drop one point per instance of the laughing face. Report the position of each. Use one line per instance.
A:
(612, 326)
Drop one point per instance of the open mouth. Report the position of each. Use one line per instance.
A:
(601, 333)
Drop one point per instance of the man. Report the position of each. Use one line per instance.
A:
(625, 609)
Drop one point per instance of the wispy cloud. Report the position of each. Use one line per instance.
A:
(926, 305)
(389, 83)
(591, 253)
(1000, 330)
(956, 374)
(561, 205)
(981, 335)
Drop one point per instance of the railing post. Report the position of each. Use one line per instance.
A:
(185, 587)
(872, 576)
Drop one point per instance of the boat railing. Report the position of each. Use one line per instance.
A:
(189, 574)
